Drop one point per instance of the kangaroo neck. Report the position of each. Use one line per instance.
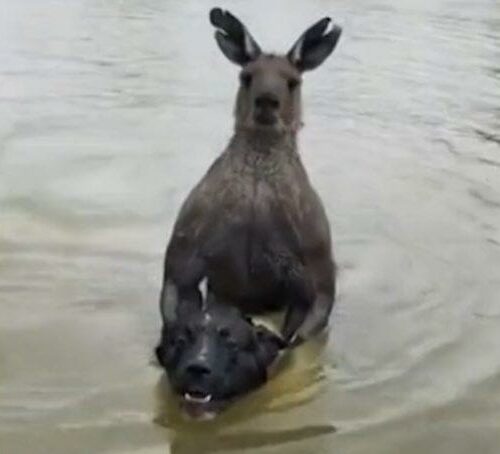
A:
(263, 144)
(263, 154)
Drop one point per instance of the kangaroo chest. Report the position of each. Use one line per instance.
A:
(256, 223)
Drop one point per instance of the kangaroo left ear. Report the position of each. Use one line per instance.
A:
(314, 45)
(233, 38)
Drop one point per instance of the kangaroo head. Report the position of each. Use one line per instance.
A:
(269, 96)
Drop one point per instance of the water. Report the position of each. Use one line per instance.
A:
(111, 111)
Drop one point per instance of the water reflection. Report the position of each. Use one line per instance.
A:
(296, 380)
(190, 441)
(111, 111)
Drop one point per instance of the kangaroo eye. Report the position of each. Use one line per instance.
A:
(224, 333)
(293, 83)
(246, 79)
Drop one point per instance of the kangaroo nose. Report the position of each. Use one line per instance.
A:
(267, 101)
(198, 369)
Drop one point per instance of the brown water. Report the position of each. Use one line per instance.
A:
(111, 110)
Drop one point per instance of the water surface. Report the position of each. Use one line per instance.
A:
(112, 110)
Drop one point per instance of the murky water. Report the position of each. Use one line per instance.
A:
(111, 110)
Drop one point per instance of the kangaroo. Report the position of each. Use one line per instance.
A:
(254, 226)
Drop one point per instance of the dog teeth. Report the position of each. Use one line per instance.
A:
(197, 399)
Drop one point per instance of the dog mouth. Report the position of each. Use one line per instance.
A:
(201, 406)
(197, 398)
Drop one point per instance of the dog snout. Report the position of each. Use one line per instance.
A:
(199, 369)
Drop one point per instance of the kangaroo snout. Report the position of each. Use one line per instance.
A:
(266, 109)
(267, 101)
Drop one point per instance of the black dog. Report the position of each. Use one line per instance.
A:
(213, 355)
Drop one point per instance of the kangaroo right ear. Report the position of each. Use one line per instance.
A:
(314, 45)
(234, 40)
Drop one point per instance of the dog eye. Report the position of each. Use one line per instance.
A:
(188, 335)
(233, 358)
(233, 345)
(293, 83)
(246, 79)
(176, 341)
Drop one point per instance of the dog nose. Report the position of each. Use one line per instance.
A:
(198, 369)
(267, 101)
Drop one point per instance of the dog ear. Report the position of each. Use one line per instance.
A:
(160, 354)
(269, 344)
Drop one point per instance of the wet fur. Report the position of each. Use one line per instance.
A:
(257, 228)
(254, 225)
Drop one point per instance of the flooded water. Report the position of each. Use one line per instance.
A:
(111, 110)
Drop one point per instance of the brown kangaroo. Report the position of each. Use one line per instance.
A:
(254, 227)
